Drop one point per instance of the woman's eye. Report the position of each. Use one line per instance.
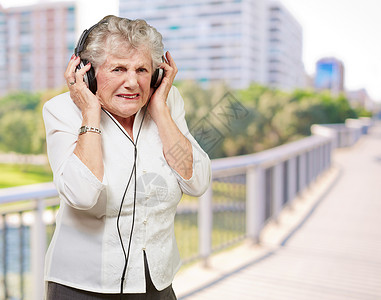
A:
(118, 69)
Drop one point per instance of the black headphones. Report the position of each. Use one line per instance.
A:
(89, 77)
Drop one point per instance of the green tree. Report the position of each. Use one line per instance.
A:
(274, 117)
(19, 101)
(18, 130)
(319, 108)
(21, 125)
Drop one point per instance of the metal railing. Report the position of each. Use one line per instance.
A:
(344, 135)
(246, 192)
(25, 221)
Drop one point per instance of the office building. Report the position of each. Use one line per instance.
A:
(329, 75)
(285, 69)
(233, 41)
(37, 42)
(211, 41)
(360, 99)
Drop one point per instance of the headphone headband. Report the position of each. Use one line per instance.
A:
(83, 37)
(89, 77)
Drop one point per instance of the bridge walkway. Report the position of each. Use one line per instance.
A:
(327, 245)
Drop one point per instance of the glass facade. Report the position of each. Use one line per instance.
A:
(329, 75)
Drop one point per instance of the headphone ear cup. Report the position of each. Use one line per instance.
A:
(89, 77)
(157, 76)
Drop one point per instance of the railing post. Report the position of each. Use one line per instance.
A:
(255, 202)
(329, 153)
(311, 170)
(5, 257)
(302, 171)
(205, 224)
(313, 163)
(21, 257)
(38, 248)
(291, 178)
(278, 189)
(322, 157)
(317, 162)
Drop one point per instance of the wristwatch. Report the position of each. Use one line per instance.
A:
(85, 129)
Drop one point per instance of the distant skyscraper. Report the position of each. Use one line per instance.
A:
(37, 42)
(210, 40)
(285, 69)
(329, 75)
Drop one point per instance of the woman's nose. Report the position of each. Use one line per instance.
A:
(130, 80)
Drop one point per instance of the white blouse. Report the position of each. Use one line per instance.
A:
(85, 251)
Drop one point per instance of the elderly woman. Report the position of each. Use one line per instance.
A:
(122, 157)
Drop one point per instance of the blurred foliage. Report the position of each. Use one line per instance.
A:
(273, 117)
(19, 101)
(18, 132)
(230, 122)
(21, 125)
(362, 112)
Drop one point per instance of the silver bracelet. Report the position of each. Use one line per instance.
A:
(85, 129)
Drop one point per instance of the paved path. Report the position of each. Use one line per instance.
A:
(332, 251)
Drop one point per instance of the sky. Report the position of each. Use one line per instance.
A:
(346, 29)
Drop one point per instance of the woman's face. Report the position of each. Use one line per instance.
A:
(124, 79)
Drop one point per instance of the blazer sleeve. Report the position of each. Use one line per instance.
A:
(201, 176)
(75, 183)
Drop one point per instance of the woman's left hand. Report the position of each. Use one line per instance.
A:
(158, 100)
(171, 136)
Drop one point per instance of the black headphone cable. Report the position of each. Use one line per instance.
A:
(133, 172)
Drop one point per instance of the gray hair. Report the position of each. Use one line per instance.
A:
(111, 31)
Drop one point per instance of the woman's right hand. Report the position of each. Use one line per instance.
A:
(90, 107)
(86, 101)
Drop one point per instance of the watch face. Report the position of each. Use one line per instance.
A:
(83, 129)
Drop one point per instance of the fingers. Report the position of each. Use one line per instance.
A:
(81, 72)
(72, 75)
(85, 100)
(70, 70)
(170, 71)
(169, 65)
(170, 60)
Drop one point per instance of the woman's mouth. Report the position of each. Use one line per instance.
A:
(128, 96)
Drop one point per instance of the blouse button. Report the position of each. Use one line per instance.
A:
(145, 222)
